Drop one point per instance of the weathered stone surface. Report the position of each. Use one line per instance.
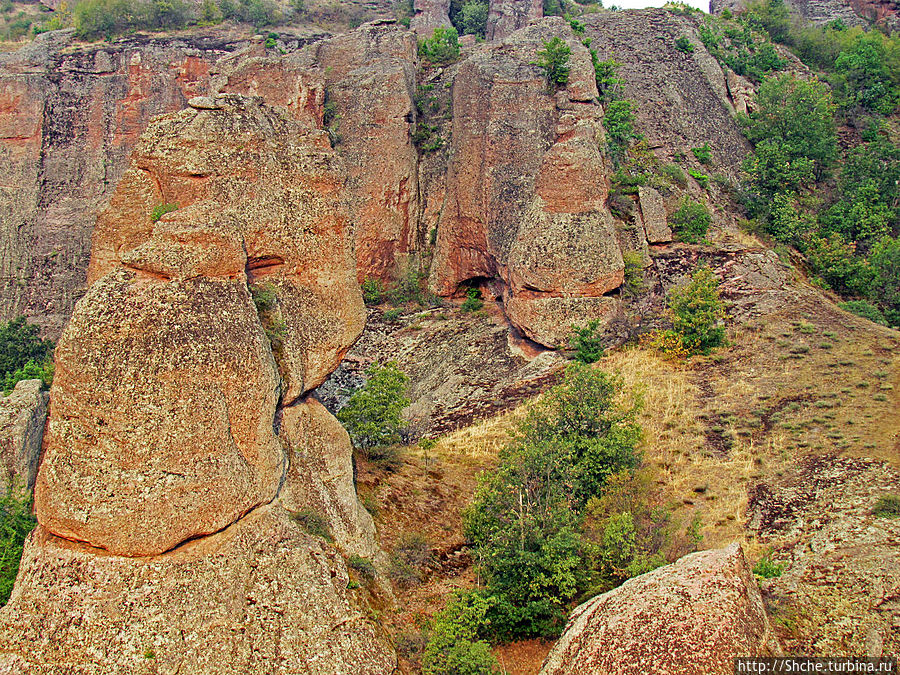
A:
(741, 91)
(507, 16)
(526, 187)
(550, 320)
(22, 416)
(261, 597)
(681, 99)
(882, 13)
(320, 477)
(653, 215)
(430, 14)
(370, 75)
(694, 616)
(841, 582)
(166, 387)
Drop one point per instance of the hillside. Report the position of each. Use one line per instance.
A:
(568, 344)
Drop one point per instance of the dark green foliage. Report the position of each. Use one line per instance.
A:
(771, 16)
(524, 522)
(766, 569)
(373, 291)
(553, 59)
(691, 220)
(834, 259)
(32, 370)
(372, 415)
(472, 18)
(703, 154)
(609, 84)
(741, 47)
(587, 342)
(21, 345)
(887, 506)
(362, 566)
(442, 47)
(473, 301)
(698, 314)
(314, 523)
(554, 7)
(454, 647)
(885, 263)
(578, 27)
(682, 44)
(16, 522)
(633, 273)
(619, 124)
(864, 309)
(862, 78)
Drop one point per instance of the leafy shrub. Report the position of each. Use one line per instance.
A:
(373, 291)
(21, 345)
(524, 521)
(675, 174)
(619, 124)
(314, 523)
(887, 506)
(864, 309)
(392, 315)
(698, 313)
(454, 647)
(633, 273)
(587, 342)
(16, 522)
(472, 18)
(553, 59)
(160, 210)
(765, 568)
(835, 261)
(885, 263)
(682, 44)
(442, 47)
(473, 301)
(372, 415)
(862, 76)
(363, 566)
(32, 370)
(609, 84)
(703, 154)
(701, 178)
(691, 220)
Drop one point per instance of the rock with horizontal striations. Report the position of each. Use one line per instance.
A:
(23, 413)
(694, 616)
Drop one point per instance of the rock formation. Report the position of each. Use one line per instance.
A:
(23, 413)
(160, 525)
(694, 616)
(505, 17)
(526, 195)
(883, 13)
(429, 14)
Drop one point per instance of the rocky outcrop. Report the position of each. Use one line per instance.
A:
(370, 76)
(507, 16)
(681, 99)
(178, 384)
(694, 616)
(262, 596)
(23, 413)
(430, 14)
(653, 216)
(864, 13)
(525, 199)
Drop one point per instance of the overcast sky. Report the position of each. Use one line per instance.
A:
(635, 4)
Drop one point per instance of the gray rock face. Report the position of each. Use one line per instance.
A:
(653, 216)
(430, 14)
(507, 16)
(22, 416)
(694, 616)
(883, 13)
(682, 99)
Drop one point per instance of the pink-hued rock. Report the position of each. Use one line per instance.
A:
(505, 17)
(693, 616)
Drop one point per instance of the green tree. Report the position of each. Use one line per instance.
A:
(691, 220)
(454, 647)
(20, 343)
(698, 314)
(619, 124)
(554, 61)
(16, 522)
(472, 18)
(587, 341)
(885, 263)
(442, 47)
(372, 415)
(862, 77)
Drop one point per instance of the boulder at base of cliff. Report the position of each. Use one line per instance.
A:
(694, 616)
(262, 596)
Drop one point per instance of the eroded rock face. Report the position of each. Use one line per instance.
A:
(526, 187)
(166, 386)
(262, 596)
(430, 14)
(507, 16)
(23, 413)
(694, 616)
